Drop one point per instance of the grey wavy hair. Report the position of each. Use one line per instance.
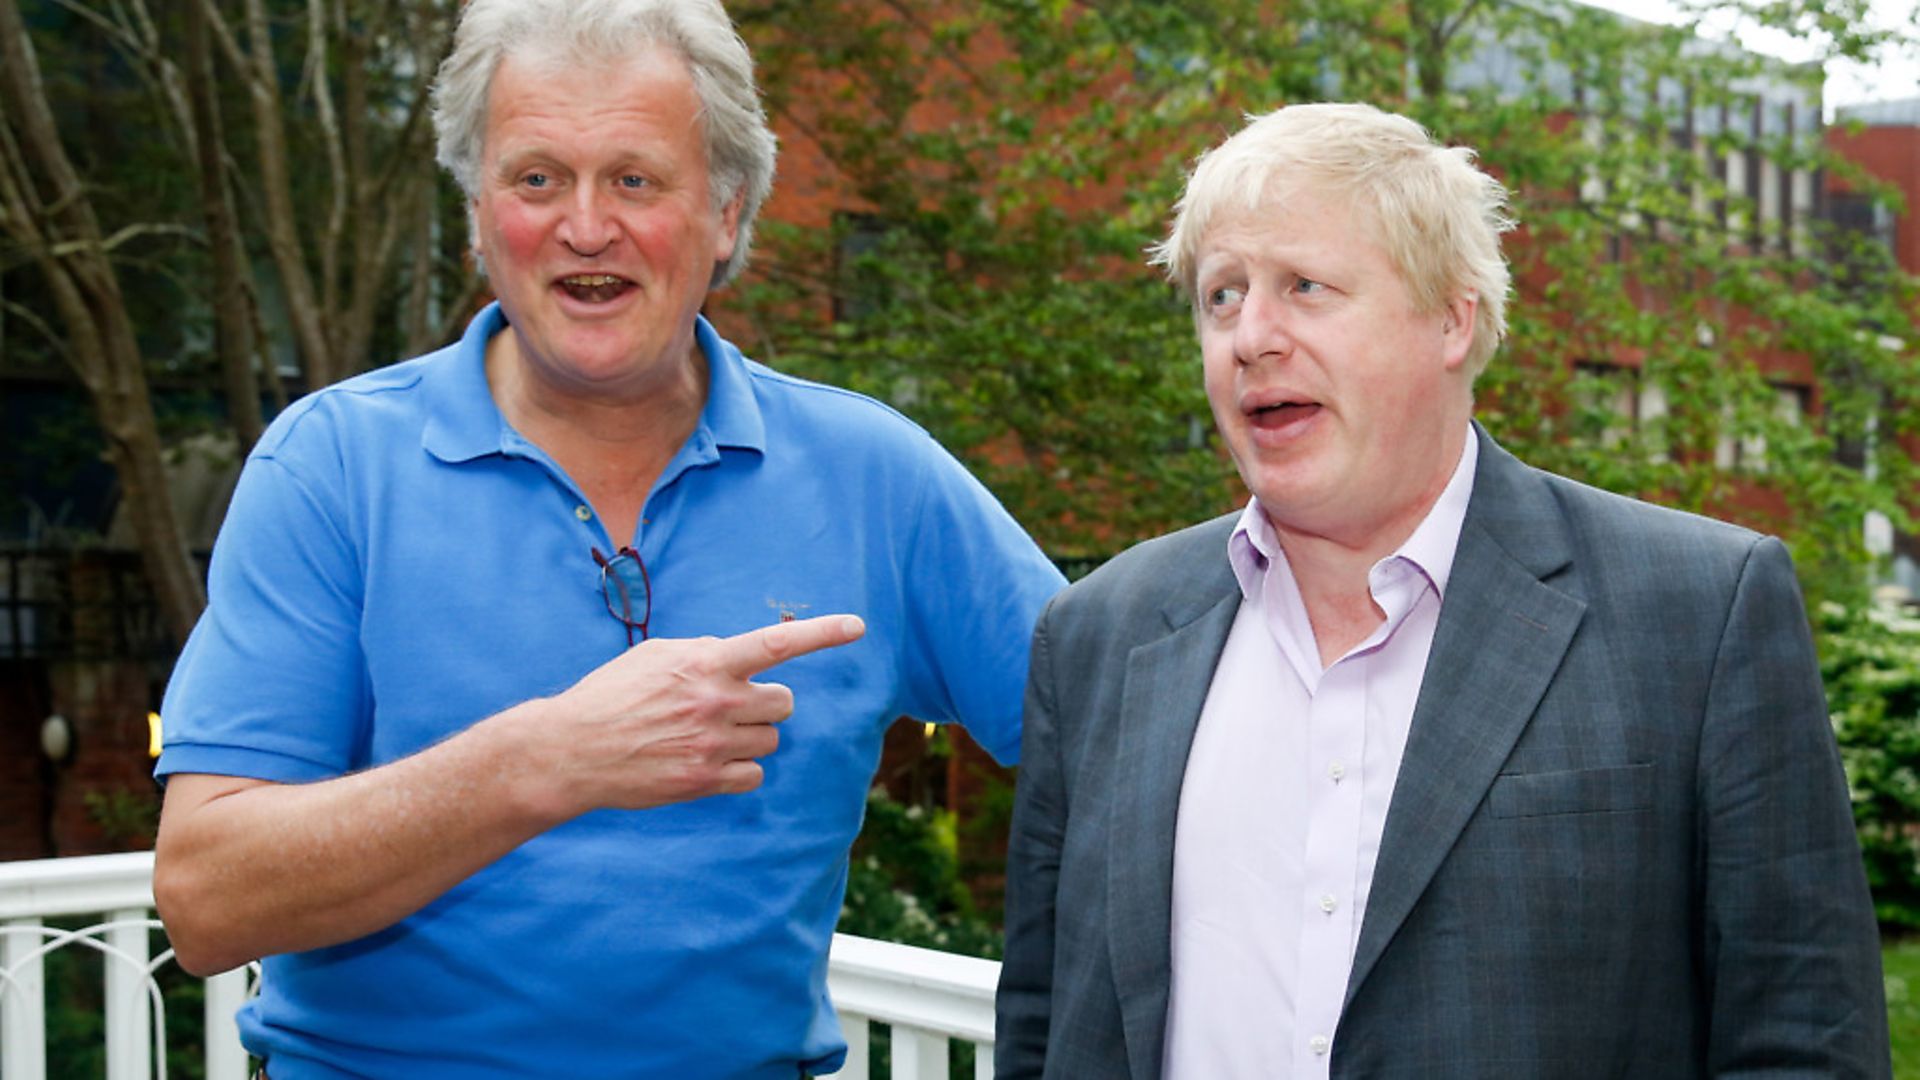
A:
(1430, 206)
(740, 146)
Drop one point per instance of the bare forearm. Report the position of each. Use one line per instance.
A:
(244, 869)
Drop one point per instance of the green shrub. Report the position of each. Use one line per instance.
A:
(1870, 660)
(904, 882)
(128, 817)
(1902, 962)
(76, 1026)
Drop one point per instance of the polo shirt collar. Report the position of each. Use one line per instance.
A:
(732, 416)
(464, 423)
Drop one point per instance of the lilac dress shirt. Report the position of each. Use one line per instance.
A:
(1284, 799)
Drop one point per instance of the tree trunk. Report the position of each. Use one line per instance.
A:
(417, 316)
(233, 322)
(276, 184)
(62, 234)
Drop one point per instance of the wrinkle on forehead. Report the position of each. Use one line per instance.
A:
(1246, 222)
(543, 58)
(544, 75)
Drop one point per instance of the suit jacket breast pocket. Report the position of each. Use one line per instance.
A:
(1615, 789)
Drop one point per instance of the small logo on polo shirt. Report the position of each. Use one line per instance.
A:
(788, 610)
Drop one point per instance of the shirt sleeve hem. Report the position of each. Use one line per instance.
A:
(257, 764)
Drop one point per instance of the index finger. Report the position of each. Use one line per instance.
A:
(755, 651)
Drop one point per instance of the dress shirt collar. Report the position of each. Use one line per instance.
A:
(1254, 547)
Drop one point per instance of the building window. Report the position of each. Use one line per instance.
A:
(1786, 176)
(1616, 404)
(1748, 452)
(859, 291)
(1863, 215)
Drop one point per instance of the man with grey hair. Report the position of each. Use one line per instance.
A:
(468, 745)
(1427, 764)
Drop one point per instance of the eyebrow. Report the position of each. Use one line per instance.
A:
(518, 159)
(625, 160)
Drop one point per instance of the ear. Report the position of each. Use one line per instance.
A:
(1456, 329)
(729, 225)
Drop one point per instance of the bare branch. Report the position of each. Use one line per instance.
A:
(473, 289)
(282, 224)
(132, 31)
(131, 232)
(144, 25)
(18, 200)
(417, 110)
(223, 34)
(32, 318)
(315, 79)
(122, 35)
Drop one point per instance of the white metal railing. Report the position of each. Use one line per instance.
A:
(926, 998)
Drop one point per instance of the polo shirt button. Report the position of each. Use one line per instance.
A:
(1319, 1044)
(1328, 903)
(1337, 771)
(583, 512)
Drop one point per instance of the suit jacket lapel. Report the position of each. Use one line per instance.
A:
(1500, 638)
(1167, 680)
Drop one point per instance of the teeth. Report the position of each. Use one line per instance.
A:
(591, 281)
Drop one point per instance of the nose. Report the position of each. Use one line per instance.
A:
(588, 228)
(1264, 328)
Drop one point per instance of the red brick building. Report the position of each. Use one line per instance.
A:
(1884, 140)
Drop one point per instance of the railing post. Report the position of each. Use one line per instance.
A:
(918, 1054)
(23, 1002)
(859, 1035)
(982, 1061)
(129, 1019)
(226, 992)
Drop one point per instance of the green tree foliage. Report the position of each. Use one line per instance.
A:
(991, 285)
(903, 882)
(1013, 159)
(1870, 657)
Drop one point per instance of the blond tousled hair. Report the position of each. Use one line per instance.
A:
(1438, 216)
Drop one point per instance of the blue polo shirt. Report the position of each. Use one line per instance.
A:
(398, 563)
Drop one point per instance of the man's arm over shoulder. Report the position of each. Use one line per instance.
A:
(1790, 943)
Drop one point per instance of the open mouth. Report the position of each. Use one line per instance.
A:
(1282, 413)
(594, 288)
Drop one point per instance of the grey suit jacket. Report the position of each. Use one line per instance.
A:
(1619, 844)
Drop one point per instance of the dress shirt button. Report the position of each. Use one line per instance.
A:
(1328, 903)
(583, 512)
(1337, 771)
(1319, 1044)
